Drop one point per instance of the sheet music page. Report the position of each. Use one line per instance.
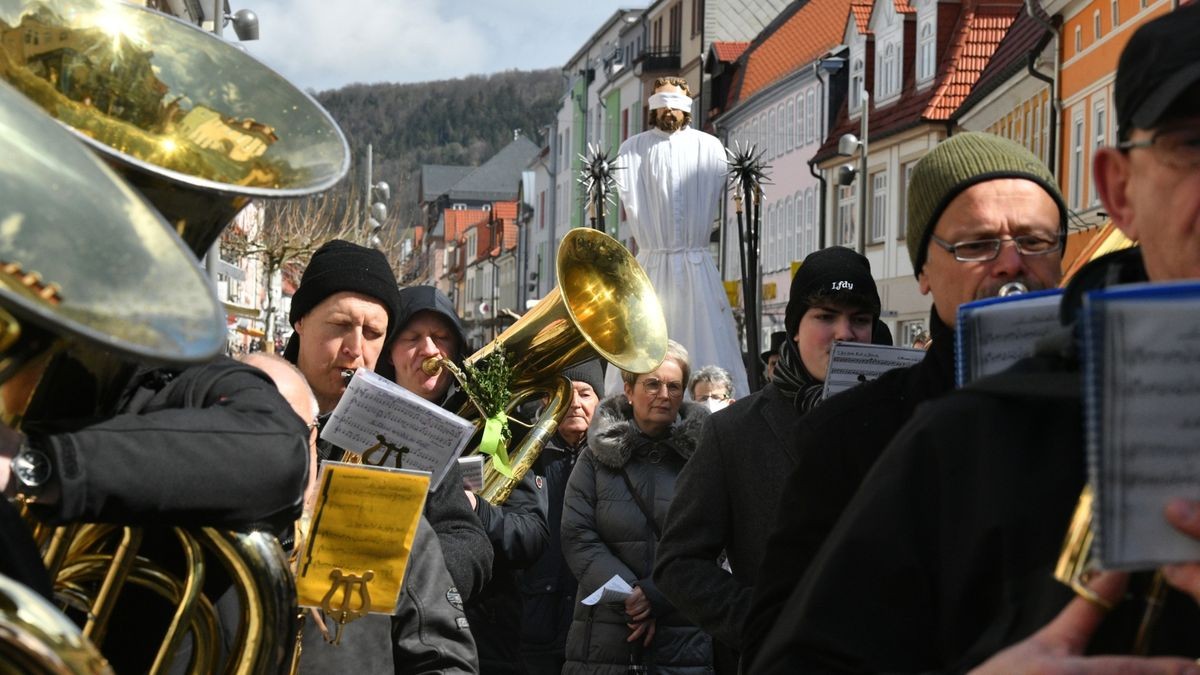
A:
(613, 591)
(390, 426)
(852, 363)
(472, 472)
(1145, 446)
(997, 334)
(359, 537)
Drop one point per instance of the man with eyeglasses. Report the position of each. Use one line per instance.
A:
(727, 492)
(945, 555)
(983, 213)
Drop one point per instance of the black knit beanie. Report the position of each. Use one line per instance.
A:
(342, 266)
(837, 272)
(589, 372)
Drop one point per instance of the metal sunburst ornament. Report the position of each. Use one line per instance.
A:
(747, 174)
(599, 183)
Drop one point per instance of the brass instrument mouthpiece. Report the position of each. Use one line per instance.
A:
(347, 375)
(1012, 288)
(432, 365)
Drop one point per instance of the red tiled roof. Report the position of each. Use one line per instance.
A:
(458, 221)
(862, 16)
(977, 33)
(729, 51)
(983, 31)
(504, 209)
(798, 39)
(903, 7)
(1025, 36)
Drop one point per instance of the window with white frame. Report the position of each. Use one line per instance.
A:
(1078, 39)
(791, 125)
(906, 172)
(847, 198)
(1115, 13)
(1042, 130)
(856, 85)
(770, 140)
(1096, 32)
(1035, 131)
(753, 136)
(888, 67)
(1027, 131)
(812, 119)
(780, 137)
(1077, 161)
(789, 239)
(878, 206)
(764, 133)
(800, 120)
(472, 246)
(810, 222)
(926, 55)
(1099, 131)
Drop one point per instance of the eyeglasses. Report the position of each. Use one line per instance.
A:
(983, 250)
(653, 387)
(712, 397)
(1177, 148)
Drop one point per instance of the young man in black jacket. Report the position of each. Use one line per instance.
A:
(945, 556)
(971, 187)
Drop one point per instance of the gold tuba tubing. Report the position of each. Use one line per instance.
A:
(603, 305)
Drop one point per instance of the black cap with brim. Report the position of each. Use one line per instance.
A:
(1160, 63)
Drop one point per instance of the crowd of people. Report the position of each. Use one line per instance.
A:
(905, 525)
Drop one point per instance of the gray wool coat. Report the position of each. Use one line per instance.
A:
(605, 533)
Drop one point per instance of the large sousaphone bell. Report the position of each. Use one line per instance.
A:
(603, 305)
(83, 260)
(200, 129)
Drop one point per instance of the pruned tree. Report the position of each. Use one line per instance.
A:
(291, 230)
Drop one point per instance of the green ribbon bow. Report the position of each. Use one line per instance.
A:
(494, 445)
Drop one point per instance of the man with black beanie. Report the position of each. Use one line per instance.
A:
(973, 191)
(726, 494)
(342, 313)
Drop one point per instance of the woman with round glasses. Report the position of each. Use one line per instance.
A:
(615, 506)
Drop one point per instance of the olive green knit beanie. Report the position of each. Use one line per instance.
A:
(955, 165)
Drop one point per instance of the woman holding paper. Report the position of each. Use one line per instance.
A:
(616, 502)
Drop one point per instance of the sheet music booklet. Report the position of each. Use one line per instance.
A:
(852, 363)
(1141, 366)
(390, 426)
(995, 333)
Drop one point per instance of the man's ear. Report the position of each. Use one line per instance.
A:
(923, 282)
(1111, 171)
(299, 327)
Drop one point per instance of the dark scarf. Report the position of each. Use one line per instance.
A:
(793, 379)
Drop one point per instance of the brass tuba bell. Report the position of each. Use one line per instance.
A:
(603, 305)
(200, 129)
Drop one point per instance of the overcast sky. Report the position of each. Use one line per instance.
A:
(324, 44)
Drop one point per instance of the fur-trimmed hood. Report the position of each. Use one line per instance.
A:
(613, 435)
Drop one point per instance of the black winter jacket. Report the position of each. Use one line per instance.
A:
(945, 555)
(605, 533)
(835, 445)
(548, 586)
(725, 500)
(519, 536)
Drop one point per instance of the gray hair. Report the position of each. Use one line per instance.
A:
(675, 352)
(715, 375)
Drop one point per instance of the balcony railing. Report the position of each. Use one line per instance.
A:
(659, 60)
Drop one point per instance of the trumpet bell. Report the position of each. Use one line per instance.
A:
(181, 112)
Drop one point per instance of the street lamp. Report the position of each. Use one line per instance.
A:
(376, 197)
(848, 144)
(245, 21)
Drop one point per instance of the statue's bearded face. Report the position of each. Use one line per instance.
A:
(668, 120)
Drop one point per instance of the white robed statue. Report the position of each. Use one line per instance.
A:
(669, 180)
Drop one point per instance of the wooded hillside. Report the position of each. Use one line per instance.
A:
(460, 122)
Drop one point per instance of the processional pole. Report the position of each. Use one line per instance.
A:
(747, 173)
(599, 184)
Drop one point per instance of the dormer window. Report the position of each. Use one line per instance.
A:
(926, 50)
(888, 72)
(856, 85)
